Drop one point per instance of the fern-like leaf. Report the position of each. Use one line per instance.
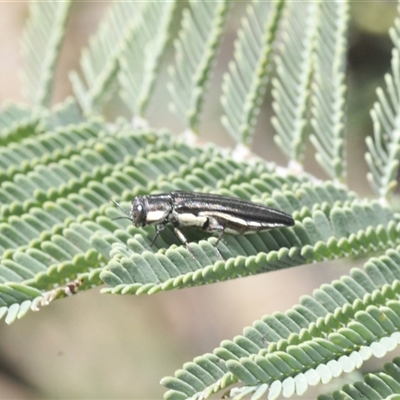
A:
(384, 148)
(56, 214)
(62, 114)
(328, 100)
(16, 122)
(100, 61)
(196, 48)
(59, 168)
(143, 49)
(41, 47)
(291, 90)
(245, 84)
(380, 385)
(333, 332)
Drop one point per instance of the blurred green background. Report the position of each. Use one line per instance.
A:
(109, 347)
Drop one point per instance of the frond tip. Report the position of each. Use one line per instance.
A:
(100, 61)
(196, 49)
(291, 89)
(384, 148)
(141, 54)
(245, 84)
(329, 89)
(41, 47)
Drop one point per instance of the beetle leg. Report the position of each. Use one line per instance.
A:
(219, 237)
(159, 228)
(212, 225)
(183, 239)
(216, 244)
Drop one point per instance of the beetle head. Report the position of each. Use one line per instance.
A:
(138, 211)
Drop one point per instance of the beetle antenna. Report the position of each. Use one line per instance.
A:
(124, 211)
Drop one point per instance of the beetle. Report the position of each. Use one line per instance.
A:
(205, 211)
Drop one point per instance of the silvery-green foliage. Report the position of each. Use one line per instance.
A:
(384, 148)
(59, 167)
(41, 46)
(291, 89)
(195, 50)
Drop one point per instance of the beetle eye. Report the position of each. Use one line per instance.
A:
(137, 212)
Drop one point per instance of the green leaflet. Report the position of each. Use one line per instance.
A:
(384, 148)
(335, 331)
(150, 32)
(195, 49)
(291, 89)
(100, 61)
(41, 47)
(381, 384)
(329, 90)
(16, 122)
(245, 83)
